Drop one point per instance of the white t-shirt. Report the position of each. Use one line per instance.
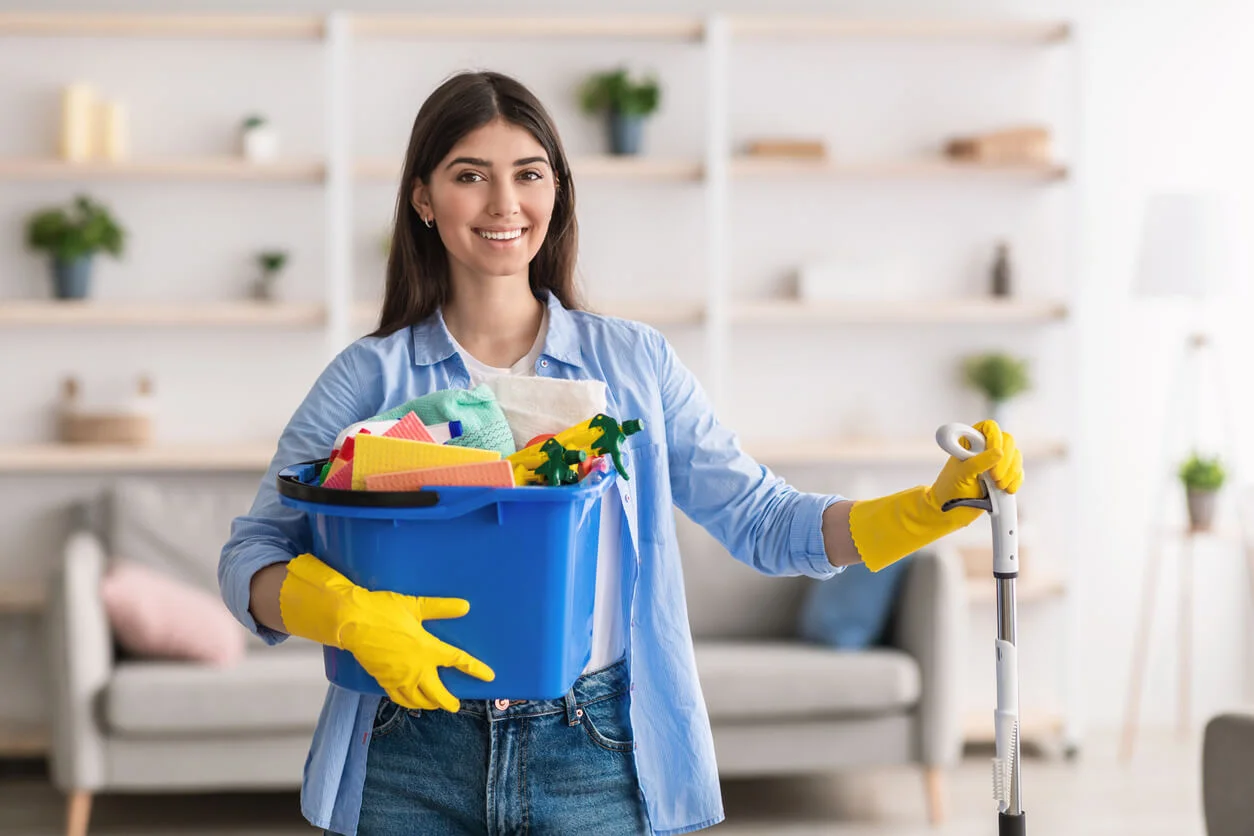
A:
(608, 640)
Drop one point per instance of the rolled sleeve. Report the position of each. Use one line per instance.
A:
(271, 532)
(757, 516)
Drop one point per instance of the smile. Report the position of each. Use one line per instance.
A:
(501, 235)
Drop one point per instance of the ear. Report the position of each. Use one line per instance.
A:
(420, 199)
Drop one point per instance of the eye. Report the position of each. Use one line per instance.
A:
(469, 177)
(530, 175)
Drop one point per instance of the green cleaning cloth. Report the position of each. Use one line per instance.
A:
(483, 423)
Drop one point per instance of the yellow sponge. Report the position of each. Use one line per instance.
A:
(375, 454)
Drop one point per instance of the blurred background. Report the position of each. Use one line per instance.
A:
(856, 221)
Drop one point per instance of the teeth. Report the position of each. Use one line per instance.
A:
(500, 236)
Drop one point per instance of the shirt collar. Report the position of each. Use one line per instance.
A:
(434, 344)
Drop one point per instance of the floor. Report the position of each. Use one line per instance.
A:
(1156, 795)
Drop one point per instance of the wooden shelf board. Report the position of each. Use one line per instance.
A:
(872, 451)
(228, 457)
(608, 26)
(593, 167)
(300, 27)
(963, 311)
(938, 168)
(1028, 588)
(51, 312)
(651, 312)
(157, 169)
(802, 26)
(21, 597)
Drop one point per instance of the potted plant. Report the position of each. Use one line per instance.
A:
(1202, 479)
(626, 100)
(72, 237)
(998, 377)
(271, 263)
(258, 139)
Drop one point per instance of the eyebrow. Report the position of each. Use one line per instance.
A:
(488, 163)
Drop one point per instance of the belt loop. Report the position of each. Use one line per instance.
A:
(572, 712)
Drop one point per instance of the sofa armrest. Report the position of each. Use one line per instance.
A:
(930, 624)
(80, 663)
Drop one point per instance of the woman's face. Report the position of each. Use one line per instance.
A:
(491, 199)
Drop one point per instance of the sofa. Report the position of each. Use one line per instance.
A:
(777, 705)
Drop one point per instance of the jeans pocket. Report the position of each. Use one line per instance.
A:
(388, 718)
(607, 722)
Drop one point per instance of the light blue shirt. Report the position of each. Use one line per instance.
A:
(683, 457)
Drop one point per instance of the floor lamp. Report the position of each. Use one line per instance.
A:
(1185, 254)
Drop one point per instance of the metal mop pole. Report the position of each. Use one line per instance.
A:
(1003, 514)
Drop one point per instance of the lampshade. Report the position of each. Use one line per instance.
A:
(1186, 246)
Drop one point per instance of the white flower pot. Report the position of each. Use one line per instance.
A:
(260, 144)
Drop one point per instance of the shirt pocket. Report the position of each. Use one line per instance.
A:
(650, 491)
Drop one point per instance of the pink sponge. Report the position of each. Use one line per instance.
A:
(410, 427)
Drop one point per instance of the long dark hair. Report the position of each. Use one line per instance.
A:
(418, 271)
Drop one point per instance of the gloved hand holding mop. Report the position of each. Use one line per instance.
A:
(888, 528)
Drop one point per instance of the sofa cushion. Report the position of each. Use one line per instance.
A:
(745, 680)
(851, 610)
(263, 692)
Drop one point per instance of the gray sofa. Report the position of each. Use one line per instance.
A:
(777, 705)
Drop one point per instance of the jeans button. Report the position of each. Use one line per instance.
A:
(501, 705)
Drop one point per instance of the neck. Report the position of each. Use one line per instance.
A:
(496, 318)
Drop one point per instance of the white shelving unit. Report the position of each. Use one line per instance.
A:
(716, 172)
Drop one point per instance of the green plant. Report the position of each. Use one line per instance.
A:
(618, 92)
(1202, 474)
(253, 121)
(271, 261)
(86, 228)
(999, 376)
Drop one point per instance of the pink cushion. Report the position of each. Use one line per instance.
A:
(152, 614)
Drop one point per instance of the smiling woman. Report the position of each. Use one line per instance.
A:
(486, 196)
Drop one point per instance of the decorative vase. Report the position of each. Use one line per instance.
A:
(998, 411)
(260, 144)
(626, 133)
(71, 278)
(1201, 509)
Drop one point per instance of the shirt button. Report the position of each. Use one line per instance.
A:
(501, 705)
(627, 498)
(544, 364)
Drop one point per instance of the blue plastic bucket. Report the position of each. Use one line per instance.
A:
(525, 558)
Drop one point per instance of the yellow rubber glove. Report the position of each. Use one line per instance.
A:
(890, 527)
(383, 631)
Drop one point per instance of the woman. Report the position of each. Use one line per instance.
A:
(481, 281)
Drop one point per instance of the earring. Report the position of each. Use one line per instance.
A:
(430, 222)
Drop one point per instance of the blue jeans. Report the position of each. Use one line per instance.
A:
(508, 767)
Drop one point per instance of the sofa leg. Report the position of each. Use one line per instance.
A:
(78, 813)
(934, 784)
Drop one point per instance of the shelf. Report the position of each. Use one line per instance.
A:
(1034, 727)
(212, 169)
(228, 457)
(1004, 31)
(1028, 588)
(23, 740)
(594, 167)
(20, 598)
(649, 312)
(911, 312)
(297, 27)
(873, 451)
(609, 26)
(52, 312)
(922, 169)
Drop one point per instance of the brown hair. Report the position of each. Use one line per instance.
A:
(418, 270)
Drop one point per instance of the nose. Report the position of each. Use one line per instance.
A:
(503, 201)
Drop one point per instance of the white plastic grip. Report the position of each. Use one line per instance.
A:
(1004, 515)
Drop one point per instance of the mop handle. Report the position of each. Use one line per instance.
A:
(1003, 515)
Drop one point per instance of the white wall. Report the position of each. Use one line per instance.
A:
(1163, 88)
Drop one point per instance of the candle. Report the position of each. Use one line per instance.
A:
(76, 119)
(111, 131)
